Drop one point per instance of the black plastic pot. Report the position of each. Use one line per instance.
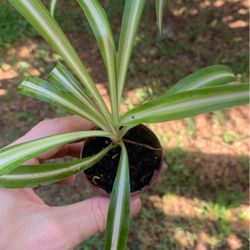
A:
(145, 160)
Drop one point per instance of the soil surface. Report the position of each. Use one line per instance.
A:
(145, 159)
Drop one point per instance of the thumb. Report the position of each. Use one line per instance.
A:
(81, 220)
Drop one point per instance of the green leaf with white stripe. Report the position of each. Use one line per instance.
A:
(30, 176)
(62, 79)
(119, 208)
(210, 76)
(13, 156)
(52, 7)
(39, 17)
(42, 90)
(101, 28)
(159, 7)
(130, 22)
(186, 104)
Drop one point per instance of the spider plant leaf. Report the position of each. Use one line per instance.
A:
(39, 17)
(188, 103)
(210, 76)
(159, 7)
(101, 28)
(52, 7)
(119, 208)
(30, 176)
(13, 156)
(130, 22)
(60, 77)
(42, 90)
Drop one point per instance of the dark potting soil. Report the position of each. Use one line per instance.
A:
(144, 159)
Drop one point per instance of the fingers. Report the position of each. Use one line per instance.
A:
(88, 217)
(73, 150)
(56, 126)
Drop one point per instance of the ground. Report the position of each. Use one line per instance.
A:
(201, 199)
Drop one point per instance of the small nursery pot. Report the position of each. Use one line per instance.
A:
(145, 160)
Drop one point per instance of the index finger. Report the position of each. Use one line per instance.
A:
(57, 126)
(72, 149)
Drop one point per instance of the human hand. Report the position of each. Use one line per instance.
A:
(26, 222)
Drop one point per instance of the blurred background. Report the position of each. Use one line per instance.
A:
(201, 200)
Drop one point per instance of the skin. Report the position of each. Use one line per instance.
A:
(26, 222)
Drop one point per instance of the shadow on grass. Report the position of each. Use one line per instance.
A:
(199, 202)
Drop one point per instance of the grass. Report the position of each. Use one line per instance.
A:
(219, 116)
(27, 117)
(152, 229)
(12, 135)
(230, 137)
(12, 26)
(171, 50)
(191, 127)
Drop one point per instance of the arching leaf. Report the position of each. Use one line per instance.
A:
(30, 176)
(62, 79)
(119, 208)
(42, 90)
(101, 28)
(52, 7)
(188, 103)
(39, 17)
(160, 6)
(13, 156)
(130, 22)
(210, 76)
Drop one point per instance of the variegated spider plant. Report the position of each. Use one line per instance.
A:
(208, 89)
